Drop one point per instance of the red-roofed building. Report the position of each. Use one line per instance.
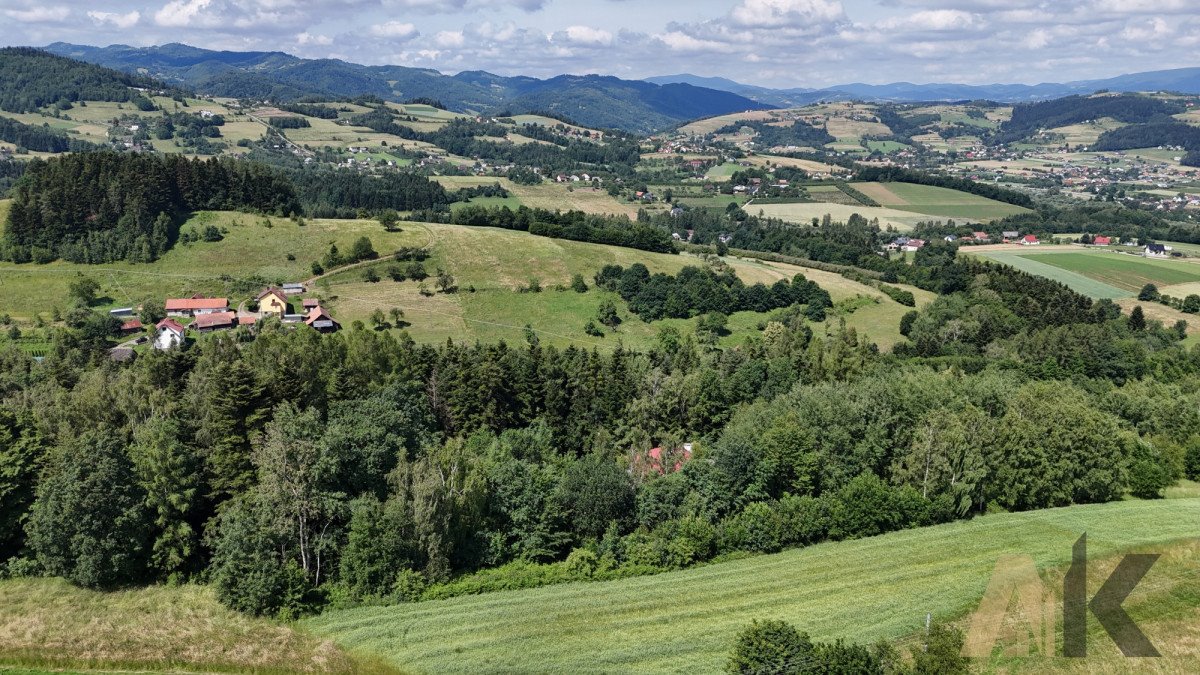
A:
(195, 306)
(652, 461)
(1030, 240)
(132, 326)
(1102, 241)
(981, 236)
(319, 319)
(215, 321)
(273, 301)
(310, 303)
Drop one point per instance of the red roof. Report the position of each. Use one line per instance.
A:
(215, 320)
(132, 324)
(171, 324)
(309, 303)
(192, 304)
(652, 460)
(1102, 241)
(1029, 238)
(273, 291)
(980, 235)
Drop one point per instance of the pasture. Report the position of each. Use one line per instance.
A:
(864, 590)
(937, 201)
(1127, 272)
(495, 262)
(49, 624)
(803, 213)
(1032, 263)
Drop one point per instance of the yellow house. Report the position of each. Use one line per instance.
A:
(273, 301)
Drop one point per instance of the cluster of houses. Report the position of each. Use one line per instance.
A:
(203, 314)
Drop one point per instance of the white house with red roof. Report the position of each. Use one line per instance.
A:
(1101, 241)
(170, 334)
(1030, 240)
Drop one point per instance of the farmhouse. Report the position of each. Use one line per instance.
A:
(273, 301)
(207, 323)
(1030, 240)
(319, 319)
(913, 245)
(1101, 241)
(195, 306)
(170, 334)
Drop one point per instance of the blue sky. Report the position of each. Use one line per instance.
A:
(782, 43)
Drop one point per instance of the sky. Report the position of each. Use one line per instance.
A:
(776, 43)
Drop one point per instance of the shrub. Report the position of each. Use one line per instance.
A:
(578, 284)
(803, 520)
(769, 646)
(756, 528)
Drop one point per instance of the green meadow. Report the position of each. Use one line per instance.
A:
(489, 265)
(1100, 274)
(865, 590)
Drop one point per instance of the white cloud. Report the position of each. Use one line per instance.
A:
(394, 30)
(307, 39)
(38, 14)
(183, 13)
(585, 35)
(449, 38)
(777, 13)
(116, 20)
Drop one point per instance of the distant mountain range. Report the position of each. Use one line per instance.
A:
(1183, 80)
(591, 100)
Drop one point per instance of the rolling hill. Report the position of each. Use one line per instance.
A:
(864, 590)
(591, 100)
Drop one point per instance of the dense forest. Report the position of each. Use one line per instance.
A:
(1151, 135)
(799, 134)
(103, 206)
(1028, 118)
(40, 139)
(34, 79)
(298, 470)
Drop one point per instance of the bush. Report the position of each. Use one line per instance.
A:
(769, 646)
(803, 520)
(1149, 473)
(578, 284)
(409, 586)
(756, 528)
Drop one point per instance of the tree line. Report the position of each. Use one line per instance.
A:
(573, 225)
(35, 79)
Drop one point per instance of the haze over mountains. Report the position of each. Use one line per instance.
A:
(594, 100)
(1183, 80)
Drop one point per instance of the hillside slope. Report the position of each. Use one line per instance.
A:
(862, 590)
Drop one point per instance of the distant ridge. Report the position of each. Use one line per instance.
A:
(1182, 80)
(591, 100)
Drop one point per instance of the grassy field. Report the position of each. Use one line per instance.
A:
(902, 221)
(1124, 271)
(495, 262)
(1033, 264)
(49, 624)
(566, 197)
(864, 590)
(937, 201)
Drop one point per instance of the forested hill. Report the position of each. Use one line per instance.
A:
(1128, 108)
(590, 100)
(33, 79)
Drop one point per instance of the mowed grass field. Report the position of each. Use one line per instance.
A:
(937, 201)
(865, 590)
(1101, 274)
(803, 213)
(49, 624)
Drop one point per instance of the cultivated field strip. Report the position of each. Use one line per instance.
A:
(863, 590)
